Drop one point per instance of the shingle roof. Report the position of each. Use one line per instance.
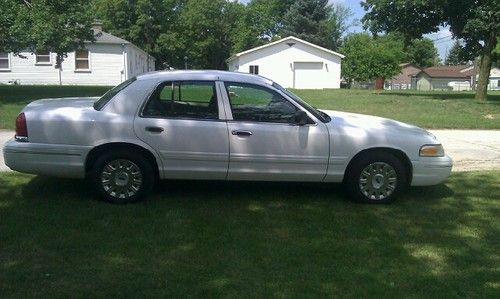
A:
(289, 38)
(102, 37)
(449, 71)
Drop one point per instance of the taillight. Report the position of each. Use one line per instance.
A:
(21, 127)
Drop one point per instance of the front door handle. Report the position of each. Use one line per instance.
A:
(154, 129)
(241, 133)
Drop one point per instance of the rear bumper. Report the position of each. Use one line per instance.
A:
(431, 171)
(47, 159)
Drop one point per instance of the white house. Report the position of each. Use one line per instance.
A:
(108, 61)
(292, 62)
(494, 83)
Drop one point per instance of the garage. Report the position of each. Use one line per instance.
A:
(292, 63)
(307, 75)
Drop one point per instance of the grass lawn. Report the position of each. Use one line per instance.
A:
(456, 110)
(260, 240)
(14, 98)
(433, 110)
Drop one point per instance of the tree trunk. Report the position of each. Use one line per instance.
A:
(485, 68)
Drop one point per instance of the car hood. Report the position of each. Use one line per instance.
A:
(51, 104)
(371, 123)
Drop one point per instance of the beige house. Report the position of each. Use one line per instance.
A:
(445, 77)
(404, 79)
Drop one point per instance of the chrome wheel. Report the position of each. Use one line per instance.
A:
(378, 181)
(121, 179)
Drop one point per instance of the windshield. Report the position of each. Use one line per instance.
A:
(102, 101)
(319, 114)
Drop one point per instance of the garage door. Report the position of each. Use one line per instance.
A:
(308, 75)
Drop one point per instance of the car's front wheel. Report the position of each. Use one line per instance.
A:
(122, 177)
(377, 177)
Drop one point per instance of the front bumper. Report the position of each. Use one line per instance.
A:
(47, 159)
(431, 170)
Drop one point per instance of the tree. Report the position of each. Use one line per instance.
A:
(202, 35)
(304, 20)
(336, 25)
(257, 23)
(140, 22)
(477, 23)
(456, 55)
(317, 22)
(368, 58)
(43, 25)
(8, 40)
(422, 53)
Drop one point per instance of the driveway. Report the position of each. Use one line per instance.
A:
(470, 149)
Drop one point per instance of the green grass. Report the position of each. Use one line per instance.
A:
(257, 240)
(454, 110)
(436, 110)
(14, 98)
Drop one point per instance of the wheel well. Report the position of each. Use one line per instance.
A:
(397, 153)
(97, 151)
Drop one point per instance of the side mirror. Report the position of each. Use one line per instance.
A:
(301, 118)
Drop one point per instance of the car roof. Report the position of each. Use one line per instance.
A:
(205, 75)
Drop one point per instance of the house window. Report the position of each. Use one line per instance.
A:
(82, 60)
(4, 61)
(254, 69)
(42, 57)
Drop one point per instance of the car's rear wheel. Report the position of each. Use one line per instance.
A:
(122, 177)
(377, 177)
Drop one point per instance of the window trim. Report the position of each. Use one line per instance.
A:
(87, 70)
(9, 62)
(161, 85)
(43, 62)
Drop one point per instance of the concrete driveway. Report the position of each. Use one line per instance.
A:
(470, 149)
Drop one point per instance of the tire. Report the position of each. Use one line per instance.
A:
(376, 177)
(122, 177)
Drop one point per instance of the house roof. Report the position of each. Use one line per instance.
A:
(102, 37)
(290, 38)
(449, 71)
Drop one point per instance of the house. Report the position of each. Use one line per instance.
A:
(291, 62)
(445, 77)
(404, 79)
(494, 83)
(108, 61)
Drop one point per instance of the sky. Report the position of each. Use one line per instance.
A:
(442, 39)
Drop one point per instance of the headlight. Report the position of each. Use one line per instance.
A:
(432, 150)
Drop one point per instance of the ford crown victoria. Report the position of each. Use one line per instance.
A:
(214, 125)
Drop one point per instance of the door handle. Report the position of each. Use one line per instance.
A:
(241, 133)
(154, 129)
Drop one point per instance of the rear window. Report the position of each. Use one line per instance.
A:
(101, 102)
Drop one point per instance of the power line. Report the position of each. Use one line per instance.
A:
(441, 38)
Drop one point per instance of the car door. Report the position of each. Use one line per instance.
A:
(266, 143)
(182, 121)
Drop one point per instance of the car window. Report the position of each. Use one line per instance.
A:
(101, 102)
(257, 103)
(196, 99)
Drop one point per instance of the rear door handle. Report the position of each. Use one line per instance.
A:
(154, 129)
(241, 133)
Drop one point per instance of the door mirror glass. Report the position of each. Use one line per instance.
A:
(301, 118)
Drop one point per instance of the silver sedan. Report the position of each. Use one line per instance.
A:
(214, 125)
